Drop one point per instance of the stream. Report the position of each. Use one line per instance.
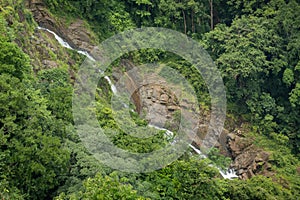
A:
(228, 174)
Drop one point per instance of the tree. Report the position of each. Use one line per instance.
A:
(186, 179)
(31, 155)
(104, 188)
(258, 187)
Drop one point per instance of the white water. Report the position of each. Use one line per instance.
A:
(112, 86)
(168, 133)
(198, 151)
(66, 44)
(59, 39)
(229, 174)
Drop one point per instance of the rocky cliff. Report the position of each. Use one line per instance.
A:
(77, 33)
(248, 159)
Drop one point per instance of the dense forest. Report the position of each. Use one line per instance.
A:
(255, 46)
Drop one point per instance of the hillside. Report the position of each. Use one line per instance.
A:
(167, 129)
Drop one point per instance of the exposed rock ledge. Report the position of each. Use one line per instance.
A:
(77, 35)
(248, 160)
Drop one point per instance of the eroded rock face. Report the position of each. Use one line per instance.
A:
(153, 98)
(77, 35)
(80, 36)
(44, 18)
(158, 103)
(248, 160)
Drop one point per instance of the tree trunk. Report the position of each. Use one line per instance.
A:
(184, 21)
(211, 14)
(193, 25)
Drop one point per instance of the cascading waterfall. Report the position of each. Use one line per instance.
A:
(59, 39)
(112, 86)
(66, 44)
(198, 151)
(229, 174)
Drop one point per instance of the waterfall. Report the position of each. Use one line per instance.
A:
(59, 39)
(228, 174)
(112, 86)
(198, 151)
(66, 44)
(85, 53)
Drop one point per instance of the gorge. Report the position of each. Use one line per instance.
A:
(227, 174)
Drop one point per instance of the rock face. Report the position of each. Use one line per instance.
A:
(158, 103)
(77, 34)
(80, 36)
(44, 18)
(149, 93)
(156, 100)
(44, 53)
(248, 160)
(44, 49)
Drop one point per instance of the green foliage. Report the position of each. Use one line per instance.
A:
(282, 162)
(288, 76)
(191, 74)
(187, 179)
(31, 154)
(13, 60)
(219, 160)
(9, 192)
(55, 86)
(106, 17)
(188, 16)
(82, 166)
(295, 95)
(104, 188)
(256, 55)
(258, 187)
